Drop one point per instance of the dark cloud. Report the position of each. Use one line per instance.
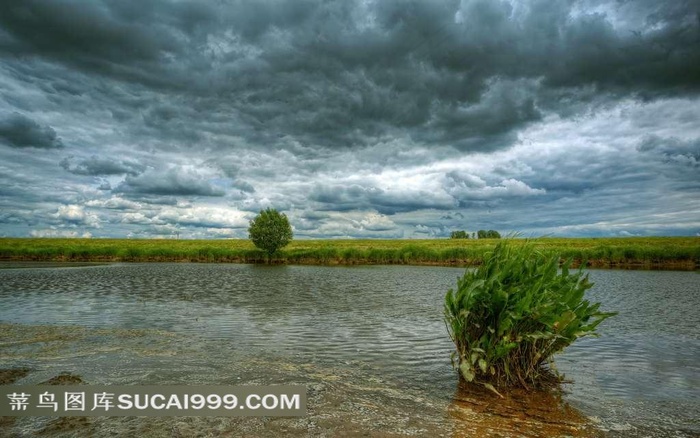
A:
(457, 215)
(233, 172)
(175, 181)
(473, 81)
(82, 29)
(243, 186)
(148, 199)
(95, 166)
(19, 131)
(357, 197)
(18, 217)
(673, 150)
(121, 39)
(358, 118)
(660, 55)
(345, 73)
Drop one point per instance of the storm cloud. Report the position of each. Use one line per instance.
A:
(358, 118)
(17, 130)
(175, 181)
(102, 166)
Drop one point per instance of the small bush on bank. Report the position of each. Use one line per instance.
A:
(509, 317)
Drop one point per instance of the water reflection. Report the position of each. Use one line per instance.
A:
(479, 412)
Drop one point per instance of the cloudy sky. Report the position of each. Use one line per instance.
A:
(385, 118)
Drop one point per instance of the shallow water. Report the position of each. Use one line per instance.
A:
(370, 340)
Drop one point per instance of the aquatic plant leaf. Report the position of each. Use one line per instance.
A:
(474, 357)
(491, 388)
(467, 372)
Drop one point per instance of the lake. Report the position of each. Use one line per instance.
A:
(369, 343)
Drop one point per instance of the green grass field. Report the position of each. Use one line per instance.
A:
(646, 252)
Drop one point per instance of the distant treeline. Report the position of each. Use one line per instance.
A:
(481, 234)
(653, 253)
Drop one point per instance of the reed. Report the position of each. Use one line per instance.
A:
(653, 252)
(508, 317)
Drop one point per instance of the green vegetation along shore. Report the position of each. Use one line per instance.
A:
(632, 252)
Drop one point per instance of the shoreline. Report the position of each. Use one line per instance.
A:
(337, 395)
(641, 265)
(651, 253)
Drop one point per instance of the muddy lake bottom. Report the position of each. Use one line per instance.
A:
(367, 342)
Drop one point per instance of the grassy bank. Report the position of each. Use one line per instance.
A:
(634, 252)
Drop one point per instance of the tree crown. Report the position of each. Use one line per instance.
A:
(270, 230)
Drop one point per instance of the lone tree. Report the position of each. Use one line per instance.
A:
(270, 230)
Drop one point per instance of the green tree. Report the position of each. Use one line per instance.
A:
(459, 235)
(488, 234)
(270, 230)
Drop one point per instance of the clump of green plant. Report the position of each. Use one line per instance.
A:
(509, 316)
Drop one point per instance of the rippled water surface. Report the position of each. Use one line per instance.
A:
(380, 324)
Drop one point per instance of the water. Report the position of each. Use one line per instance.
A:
(350, 333)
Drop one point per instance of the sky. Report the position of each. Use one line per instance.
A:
(357, 119)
